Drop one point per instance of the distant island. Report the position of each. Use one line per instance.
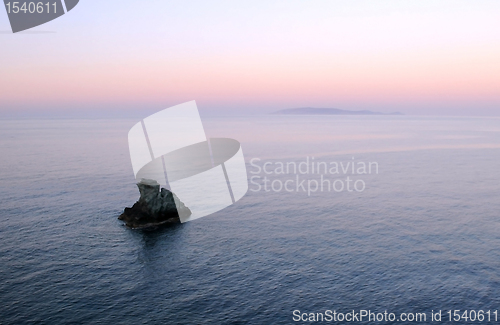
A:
(327, 111)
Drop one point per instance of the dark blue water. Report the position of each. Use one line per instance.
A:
(424, 235)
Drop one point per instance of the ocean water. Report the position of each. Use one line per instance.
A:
(423, 234)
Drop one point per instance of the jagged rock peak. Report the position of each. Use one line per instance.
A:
(154, 207)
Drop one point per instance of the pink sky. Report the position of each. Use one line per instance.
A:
(418, 58)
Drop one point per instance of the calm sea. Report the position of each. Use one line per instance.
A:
(423, 235)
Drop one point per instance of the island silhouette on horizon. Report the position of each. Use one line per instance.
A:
(328, 111)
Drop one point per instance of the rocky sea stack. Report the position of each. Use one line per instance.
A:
(154, 207)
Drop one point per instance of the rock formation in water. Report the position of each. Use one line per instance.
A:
(154, 207)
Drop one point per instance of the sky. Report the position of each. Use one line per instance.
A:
(130, 58)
